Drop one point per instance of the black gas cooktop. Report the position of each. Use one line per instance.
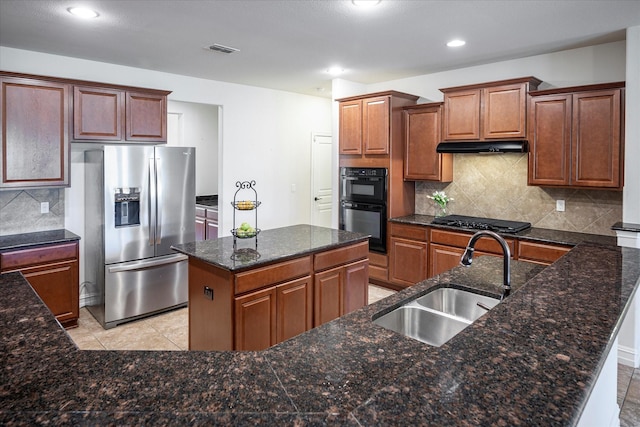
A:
(498, 225)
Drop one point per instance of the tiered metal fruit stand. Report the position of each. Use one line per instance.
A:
(245, 199)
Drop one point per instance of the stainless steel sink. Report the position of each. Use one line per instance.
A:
(438, 316)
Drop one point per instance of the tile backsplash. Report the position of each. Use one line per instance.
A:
(495, 186)
(20, 210)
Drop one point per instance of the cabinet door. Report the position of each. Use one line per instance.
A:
(97, 114)
(212, 229)
(462, 115)
(503, 111)
(540, 253)
(596, 148)
(146, 117)
(443, 258)
(57, 285)
(327, 290)
(355, 286)
(550, 140)
(34, 144)
(294, 308)
(422, 135)
(408, 261)
(256, 320)
(200, 229)
(351, 127)
(376, 125)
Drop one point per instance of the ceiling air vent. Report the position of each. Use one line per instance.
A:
(222, 49)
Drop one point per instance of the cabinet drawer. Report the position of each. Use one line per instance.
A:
(460, 240)
(413, 232)
(540, 253)
(340, 256)
(212, 214)
(42, 255)
(272, 274)
(201, 211)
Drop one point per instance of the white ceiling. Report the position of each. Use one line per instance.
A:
(289, 44)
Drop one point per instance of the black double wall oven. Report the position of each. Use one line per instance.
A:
(363, 204)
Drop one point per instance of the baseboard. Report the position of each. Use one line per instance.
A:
(628, 356)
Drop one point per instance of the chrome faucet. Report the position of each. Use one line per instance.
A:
(467, 258)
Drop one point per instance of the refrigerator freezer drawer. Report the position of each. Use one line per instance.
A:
(137, 288)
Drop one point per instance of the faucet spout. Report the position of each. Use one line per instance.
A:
(467, 257)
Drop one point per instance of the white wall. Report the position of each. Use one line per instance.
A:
(196, 125)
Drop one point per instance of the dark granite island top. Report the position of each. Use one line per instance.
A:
(278, 244)
(532, 360)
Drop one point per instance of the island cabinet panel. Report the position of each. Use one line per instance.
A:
(408, 254)
(356, 286)
(294, 308)
(487, 111)
(576, 137)
(259, 277)
(540, 253)
(34, 143)
(423, 133)
(328, 296)
(256, 320)
(53, 273)
(210, 307)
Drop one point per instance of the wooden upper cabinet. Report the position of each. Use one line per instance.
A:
(370, 125)
(487, 111)
(97, 114)
(351, 127)
(146, 117)
(375, 125)
(423, 124)
(576, 137)
(34, 145)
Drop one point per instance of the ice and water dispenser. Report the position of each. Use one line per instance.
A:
(127, 201)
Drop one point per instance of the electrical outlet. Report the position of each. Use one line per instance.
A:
(208, 293)
(560, 205)
(44, 207)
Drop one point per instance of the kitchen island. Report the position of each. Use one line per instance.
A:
(531, 360)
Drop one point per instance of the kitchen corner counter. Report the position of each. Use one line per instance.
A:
(28, 240)
(532, 360)
(278, 244)
(533, 234)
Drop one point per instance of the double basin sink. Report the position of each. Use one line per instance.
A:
(438, 316)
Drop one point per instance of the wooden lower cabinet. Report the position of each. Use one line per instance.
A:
(206, 223)
(408, 261)
(541, 253)
(443, 258)
(273, 315)
(52, 271)
(257, 308)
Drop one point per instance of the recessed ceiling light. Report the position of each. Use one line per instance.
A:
(365, 3)
(83, 12)
(335, 71)
(456, 43)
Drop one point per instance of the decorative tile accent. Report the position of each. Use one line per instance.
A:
(20, 211)
(495, 186)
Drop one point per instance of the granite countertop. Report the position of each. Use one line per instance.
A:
(26, 240)
(531, 360)
(210, 201)
(273, 245)
(533, 234)
(626, 226)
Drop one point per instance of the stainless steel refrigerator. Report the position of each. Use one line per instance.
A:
(139, 200)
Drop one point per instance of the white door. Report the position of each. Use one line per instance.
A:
(321, 190)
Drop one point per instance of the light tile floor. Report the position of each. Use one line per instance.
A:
(169, 331)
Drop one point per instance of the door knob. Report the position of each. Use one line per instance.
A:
(316, 198)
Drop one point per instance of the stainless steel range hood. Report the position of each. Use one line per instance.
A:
(471, 147)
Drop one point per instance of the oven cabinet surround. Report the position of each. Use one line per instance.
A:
(422, 134)
(351, 371)
(117, 115)
(34, 145)
(576, 136)
(206, 223)
(53, 272)
(486, 111)
(305, 276)
(371, 134)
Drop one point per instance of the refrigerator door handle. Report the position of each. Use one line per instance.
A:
(140, 265)
(159, 203)
(152, 201)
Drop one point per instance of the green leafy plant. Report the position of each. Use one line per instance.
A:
(441, 199)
